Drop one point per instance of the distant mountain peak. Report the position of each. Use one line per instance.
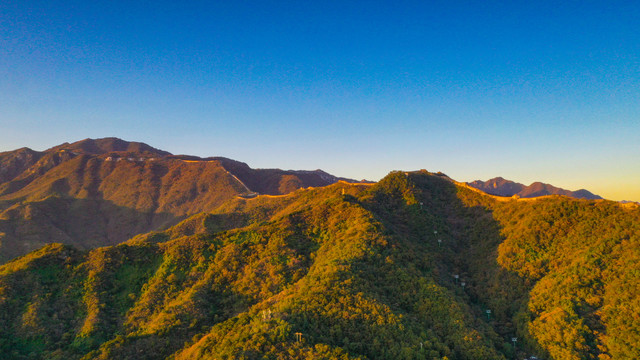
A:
(501, 187)
(106, 145)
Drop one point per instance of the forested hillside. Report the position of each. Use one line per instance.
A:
(403, 269)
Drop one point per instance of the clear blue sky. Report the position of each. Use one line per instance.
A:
(531, 90)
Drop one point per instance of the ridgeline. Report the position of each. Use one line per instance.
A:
(94, 193)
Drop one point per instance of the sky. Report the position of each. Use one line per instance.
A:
(528, 90)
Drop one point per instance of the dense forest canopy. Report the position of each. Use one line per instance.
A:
(412, 267)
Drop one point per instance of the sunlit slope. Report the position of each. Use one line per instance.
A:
(101, 192)
(316, 262)
(342, 272)
(564, 277)
(582, 259)
(89, 201)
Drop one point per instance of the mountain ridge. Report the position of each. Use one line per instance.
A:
(502, 187)
(106, 145)
(97, 192)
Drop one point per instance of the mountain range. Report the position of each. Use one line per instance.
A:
(98, 192)
(502, 187)
(415, 266)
